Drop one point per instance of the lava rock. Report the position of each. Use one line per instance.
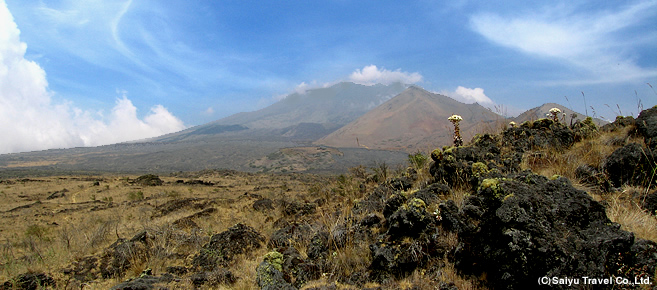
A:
(532, 227)
(225, 246)
(295, 232)
(148, 180)
(269, 275)
(264, 204)
(646, 126)
(630, 165)
(29, 281)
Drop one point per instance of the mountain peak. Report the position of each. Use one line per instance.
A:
(413, 120)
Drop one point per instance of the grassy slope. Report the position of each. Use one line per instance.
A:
(40, 234)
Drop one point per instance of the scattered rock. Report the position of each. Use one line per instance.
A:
(223, 247)
(619, 123)
(29, 281)
(178, 204)
(195, 182)
(630, 164)
(144, 282)
(269, 275)
(294, 232)
(264, 204)
(118, 258)
(297, 208)
(646, 126)
(532, 227)
(148, 180)
(57, 194)
(219, 276)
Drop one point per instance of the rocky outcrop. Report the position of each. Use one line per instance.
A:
(529, 226)
(148, 180)
(631, 164)
(29, 281)
(225, 246)
(646, 126)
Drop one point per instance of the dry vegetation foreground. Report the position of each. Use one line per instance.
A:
(537, 200)
(49, 223)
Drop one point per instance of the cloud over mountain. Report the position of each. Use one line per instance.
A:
(32, 120)
(371, 75)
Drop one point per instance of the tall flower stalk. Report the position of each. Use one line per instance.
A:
(555, 114)
(455, 119)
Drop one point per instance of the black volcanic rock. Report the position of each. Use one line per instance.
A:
(225, 246)
(631, 164)
(533, 227)
(31, 281)
(646, 126)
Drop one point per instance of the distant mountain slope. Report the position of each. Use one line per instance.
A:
(338, 104)
(543, 110)
(413, 120)
(299, 117)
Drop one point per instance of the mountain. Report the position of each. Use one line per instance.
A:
(323, 130)
(338, 104)
(543, 110)
(298, 117)
(237, 142)
(413, 120)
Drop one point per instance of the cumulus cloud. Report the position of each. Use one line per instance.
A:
(594, 42)
(371, 75)
(33, 121)
(469, 96)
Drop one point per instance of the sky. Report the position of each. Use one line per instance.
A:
(95, 72)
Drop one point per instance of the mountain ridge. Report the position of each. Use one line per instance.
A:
(339, 116)
(412, 120)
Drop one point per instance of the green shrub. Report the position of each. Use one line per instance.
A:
(135, 195)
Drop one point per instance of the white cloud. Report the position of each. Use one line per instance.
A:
(302, 88)
(32, 121)
(592, 42)
(469, 96)
(371, 75)
(209, 111)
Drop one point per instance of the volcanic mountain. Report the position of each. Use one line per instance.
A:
(413, 120)
(567, 116)
(303, 116)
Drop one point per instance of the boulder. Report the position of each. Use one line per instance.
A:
(631, 164)
(646, 126)
(269, 274)
(529, 227)
(30, 280)
(225, 246)
(148, 180)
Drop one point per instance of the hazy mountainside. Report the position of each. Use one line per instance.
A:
(358, 120)
(543, 110)
(299, 117)
(338, 104)
(413, 120)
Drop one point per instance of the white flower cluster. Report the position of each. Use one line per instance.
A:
(455, 118)
(555, 111)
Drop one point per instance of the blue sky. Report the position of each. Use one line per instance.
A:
(167, 65)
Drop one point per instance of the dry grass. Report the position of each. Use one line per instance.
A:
(46, 235)
(592, 152)
(623, 208)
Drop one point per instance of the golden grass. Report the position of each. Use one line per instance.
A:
(41, 234)
(625, 210)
